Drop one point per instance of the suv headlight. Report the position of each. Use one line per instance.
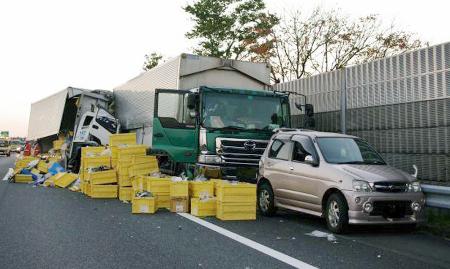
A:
(414, 187)
(361, 186)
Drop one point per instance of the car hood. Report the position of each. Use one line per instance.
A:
(375, 173)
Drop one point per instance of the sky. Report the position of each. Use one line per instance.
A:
(48, 45)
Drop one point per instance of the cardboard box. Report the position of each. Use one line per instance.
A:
(179, 205)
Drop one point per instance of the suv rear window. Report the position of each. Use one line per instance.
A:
(279, 150)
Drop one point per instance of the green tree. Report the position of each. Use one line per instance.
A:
(238, 29)
(151, 60)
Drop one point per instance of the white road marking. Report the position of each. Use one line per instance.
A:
(250, 243)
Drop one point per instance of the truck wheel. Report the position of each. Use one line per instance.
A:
(336, 213)
(266, 203)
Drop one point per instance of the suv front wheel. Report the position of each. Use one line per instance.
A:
(266, 200)
(336, 213)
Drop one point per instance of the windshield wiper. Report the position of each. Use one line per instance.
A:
(375, 162)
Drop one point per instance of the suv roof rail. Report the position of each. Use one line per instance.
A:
(292, 130)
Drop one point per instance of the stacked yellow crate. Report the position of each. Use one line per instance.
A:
(236, 201)
(91, 158)
(160, 188)
(203, 202)
(120, 140)
(179, 196)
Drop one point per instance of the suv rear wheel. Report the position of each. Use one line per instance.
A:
(336, 213)
(266, 200)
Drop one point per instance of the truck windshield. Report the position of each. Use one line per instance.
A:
(4, 144)
(239, 111)
(343, 150)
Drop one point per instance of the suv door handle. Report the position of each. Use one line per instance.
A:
(291, 168)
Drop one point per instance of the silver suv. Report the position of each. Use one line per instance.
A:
(336, 176)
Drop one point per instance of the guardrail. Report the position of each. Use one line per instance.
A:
(437, 196)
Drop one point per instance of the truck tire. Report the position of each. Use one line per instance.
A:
(336, 213)
(266, 202)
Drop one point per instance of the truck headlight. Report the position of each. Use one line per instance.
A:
(361, 186)
(414, 187)
(209, 159)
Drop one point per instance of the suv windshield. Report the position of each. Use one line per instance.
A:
(246, 112)
(343, 150)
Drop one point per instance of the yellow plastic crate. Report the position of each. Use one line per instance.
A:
(125, 193)
(143, 205)
(122, 139)
(236, 211)
(103, 191)
(19, 178)
(23, 163)
(43, 167)
(88, 189)
(114, 162)
(139, 184)
(54, 159)
(96, 161)
(236, 192)
(216, 182)
(83, 187)
(102, 177)
(123, 166)
(179, 189)
(128, 151)
(57, 144)
(144, 159)
(124, 181)
(201, 188)
(159, 186)
(114, 152)
(203, 208)
(63, 179)
(142, 169)
(162, 201)
(91, 151)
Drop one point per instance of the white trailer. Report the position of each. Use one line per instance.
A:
(135, 98)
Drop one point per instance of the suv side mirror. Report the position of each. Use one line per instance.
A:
(191, 101)
(311, 160)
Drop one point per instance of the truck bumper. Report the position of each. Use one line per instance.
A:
(244, 173)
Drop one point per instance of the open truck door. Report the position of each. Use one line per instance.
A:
(175, 136)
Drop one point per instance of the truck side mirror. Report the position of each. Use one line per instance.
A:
(298, 106)
(309, 110)
(191, 101)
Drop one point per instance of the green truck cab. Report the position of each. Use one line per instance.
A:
(217, 131)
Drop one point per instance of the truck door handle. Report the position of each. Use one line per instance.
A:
(158, 135)
(95, 127)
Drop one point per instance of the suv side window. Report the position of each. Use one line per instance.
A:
(303, 147)
(279, 150)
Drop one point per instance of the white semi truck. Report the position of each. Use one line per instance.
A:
(84, 117)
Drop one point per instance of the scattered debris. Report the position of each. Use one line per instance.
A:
(328, 236)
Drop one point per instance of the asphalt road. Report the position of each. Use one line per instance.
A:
(55, 228)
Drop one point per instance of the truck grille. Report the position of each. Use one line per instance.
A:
(240, 151)
(390, 187)
(392, 209)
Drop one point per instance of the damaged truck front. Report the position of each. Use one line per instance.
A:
(82, 117)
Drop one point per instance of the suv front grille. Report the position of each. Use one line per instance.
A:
(390, 186)
(240, 151)
(392, 209)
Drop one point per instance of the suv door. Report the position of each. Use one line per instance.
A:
(304, 178)
(276, 167)
(174, 130)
